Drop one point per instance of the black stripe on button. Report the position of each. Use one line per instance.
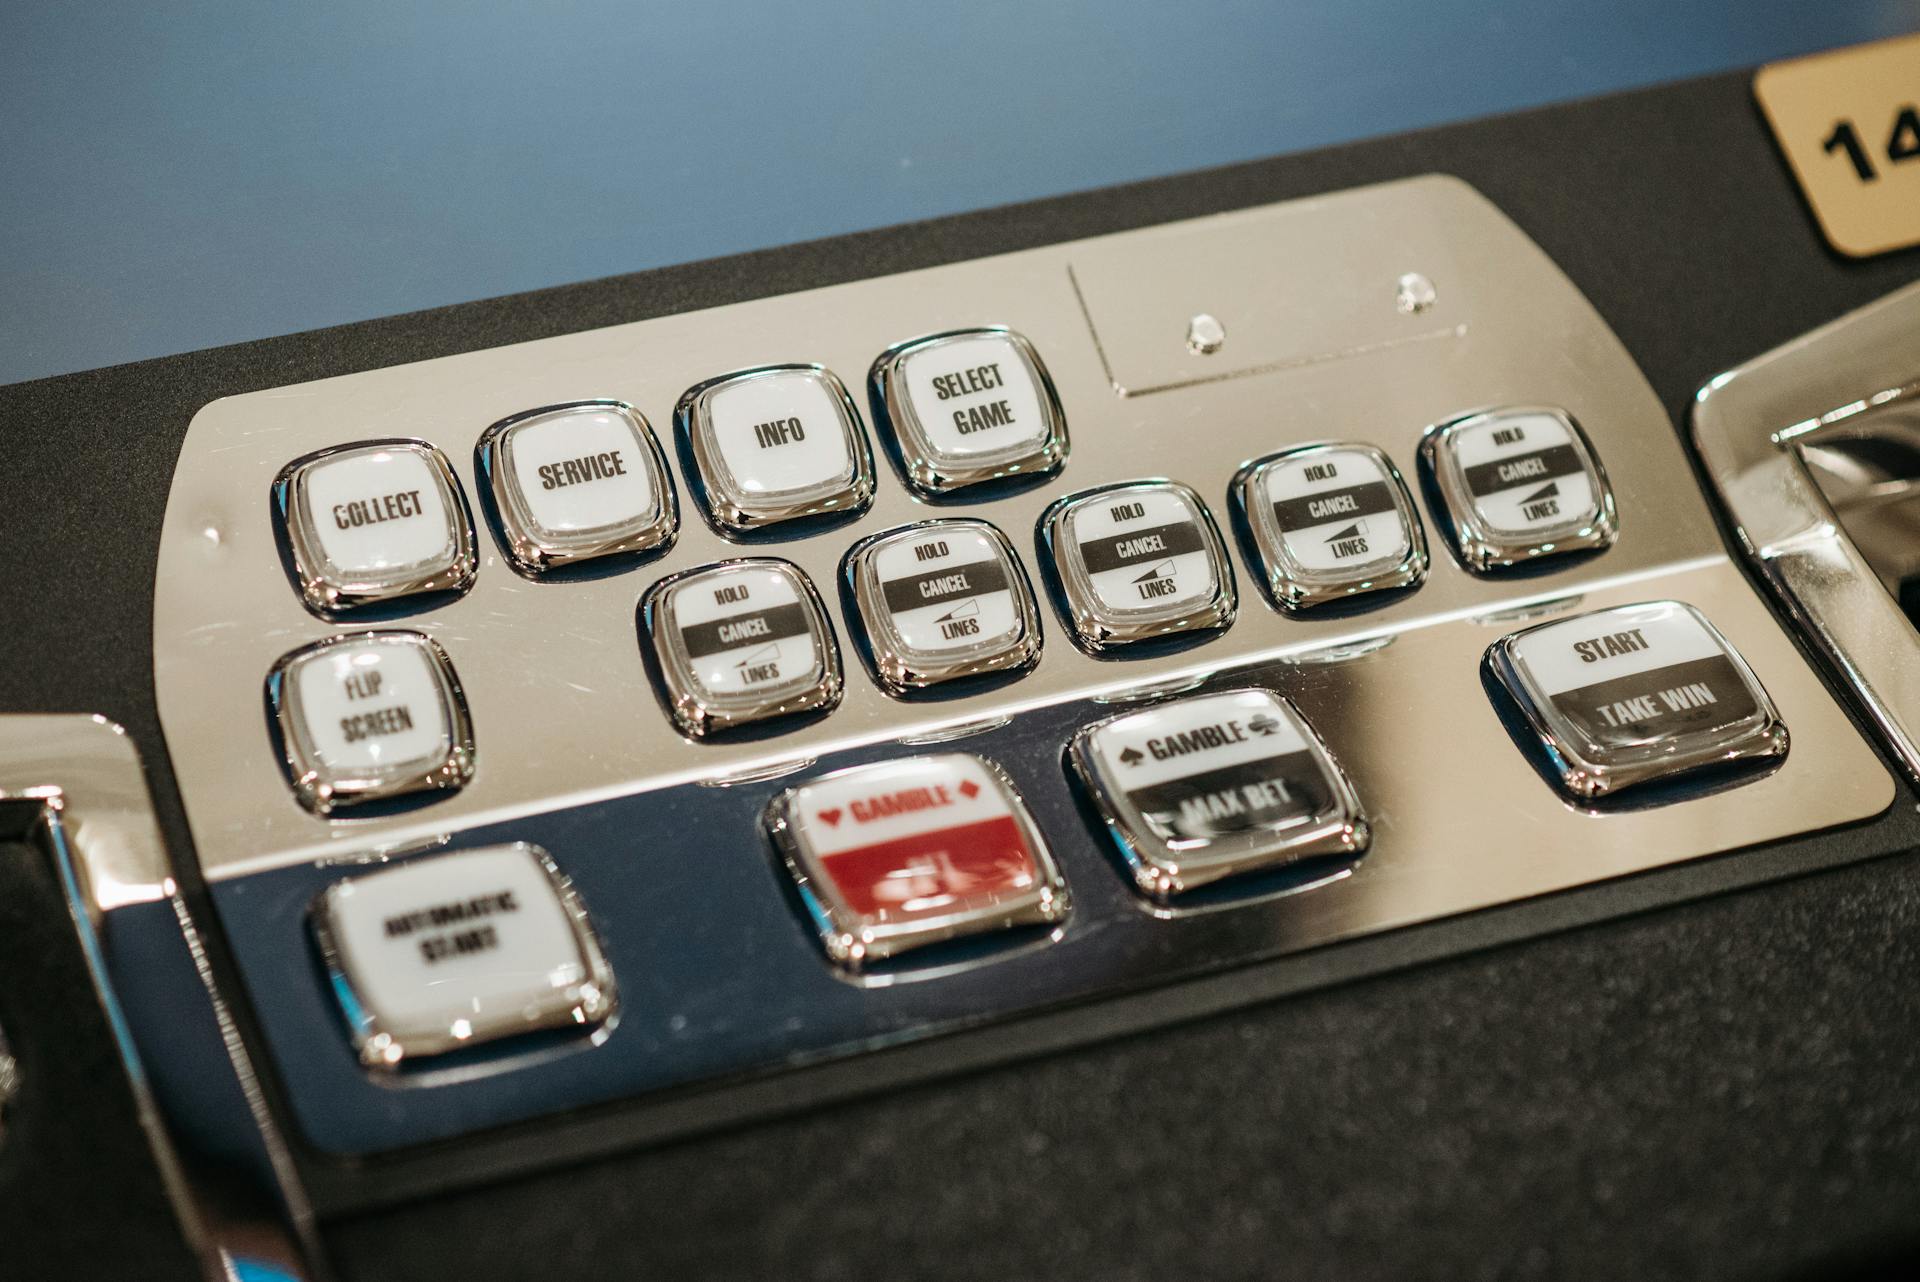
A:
(933, 587)
(702, 639)
(1335, 505)
(1308, 793)
(1531, 468)
(1683, 696)
(1153, 543)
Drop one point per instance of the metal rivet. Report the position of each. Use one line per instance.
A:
(1414, 293)
(1205, 335)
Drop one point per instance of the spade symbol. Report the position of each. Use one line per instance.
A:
(1133, 756)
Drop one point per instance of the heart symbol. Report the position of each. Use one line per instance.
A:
(968, 788)
(832, 817)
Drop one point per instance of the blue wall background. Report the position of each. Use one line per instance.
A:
(182, 175)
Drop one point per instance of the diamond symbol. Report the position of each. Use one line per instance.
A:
(968, 788)
(831, 817)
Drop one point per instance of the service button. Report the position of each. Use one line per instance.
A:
(370, 716)
(776, 444)
(1217, 785)
(1139, 561)
(1329, 523)
(1520, 485)
(1634, 694)
(943, 600)
(969, 406)
(374, 522)
(739, 642)
(903, 854)
(437, 953)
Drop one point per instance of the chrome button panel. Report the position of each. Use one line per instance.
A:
(969, 406)
(1139, 561)
(943, 600)
(776, 444)
(1216, 785)
(1637, 693)
(1520, 484)
(1330, 522)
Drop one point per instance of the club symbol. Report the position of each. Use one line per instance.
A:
(1264, 725)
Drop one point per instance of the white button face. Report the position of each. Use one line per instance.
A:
(944, 600)
(741, 642)
(775, 444)
(579, 482)
(1635, 693)
(448, 951)
(370, 717)
(907, 853)
(1526, 473)
(1338, 511)
(971, 406)
(1215, 785)
(1137, 556)
(377, 522)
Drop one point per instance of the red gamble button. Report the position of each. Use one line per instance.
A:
(896, 856)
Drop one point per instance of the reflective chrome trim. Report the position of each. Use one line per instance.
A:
(931, 472)
(530, 547)
(1164, 870)
(732, 509)
(584, 1005)
(700, 714)
(9, 1082)
(329, 591)
(1480, 546)
(1102, 631)
(323, 791)
(851, 939)
(901, 668)
(1840, 380)
(1588, 770)
(1293, 587)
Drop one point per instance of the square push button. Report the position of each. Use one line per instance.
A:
(943, 600)
(433, 954)
(374, 522)
(1139, 561)
(896, 856)
(370, 716)
(739, 642)
(575, 482)
(1330, 522)
(970, 406)
(1520, 484)
(1637, 693)
(1216, 785)
(776, 444)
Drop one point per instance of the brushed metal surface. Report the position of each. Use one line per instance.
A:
(562, 709)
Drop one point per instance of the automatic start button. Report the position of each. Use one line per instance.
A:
(1217, 785)
(1139, 561)
(900, 855)
(438, 953)
(1637, 693)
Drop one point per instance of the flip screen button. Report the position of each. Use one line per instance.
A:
(576, 482)
(1217, 785)
(741, 642)
(372, 523)
(776, 444)
(1139, 561)
(943, 600)
(1520, 484)
(900, 855)
(434, 954)
(1331, 522)
(367, 717)
(1637, 693)
(970, 406)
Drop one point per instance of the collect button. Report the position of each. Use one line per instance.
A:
(900, 855)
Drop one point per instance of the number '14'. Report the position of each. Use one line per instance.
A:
(1902, 144)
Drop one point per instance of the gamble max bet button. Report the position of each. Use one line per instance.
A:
(903, 854)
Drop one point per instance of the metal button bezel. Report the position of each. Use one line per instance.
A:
(700, 713)
(1163, 870)
(1100, 630)
(732, 510)
(328, 590)
(926, 468)
(584, 1005)
(322, 790)
(1293, 587)
(1482, 547)
(1587, 770)
(851, 939)
(530, 547)
(901, 668)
